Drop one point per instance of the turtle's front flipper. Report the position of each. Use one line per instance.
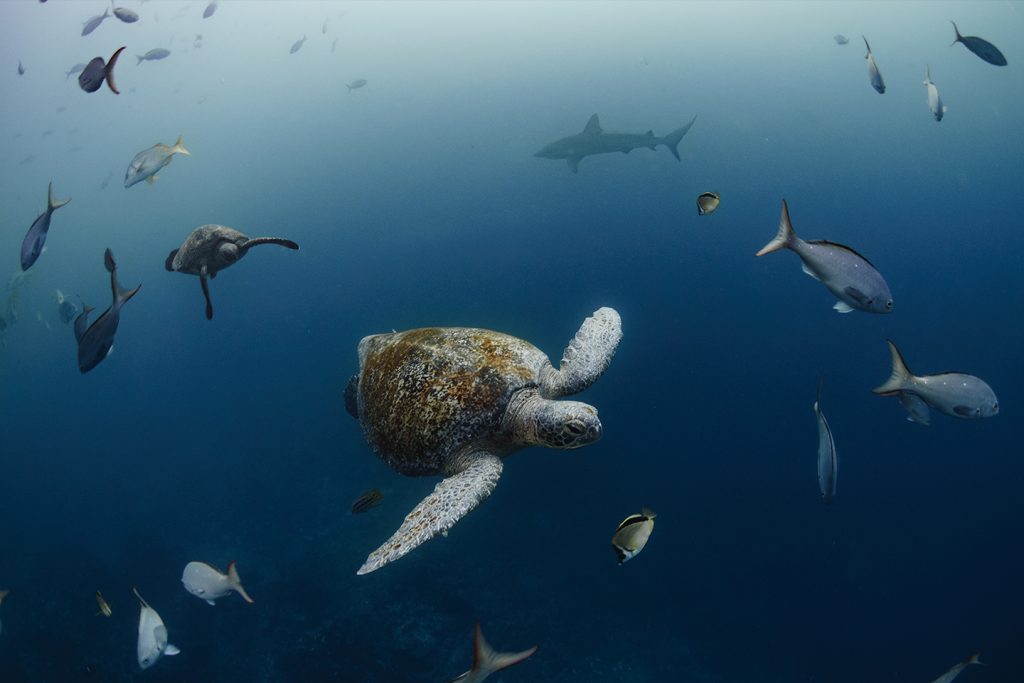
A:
(280, 241)
(451, 500)
(586, 356)
(206, 293)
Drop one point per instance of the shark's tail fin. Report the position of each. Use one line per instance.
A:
(487, 661)
(672, 139)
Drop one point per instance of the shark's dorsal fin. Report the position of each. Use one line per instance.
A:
(593, 126)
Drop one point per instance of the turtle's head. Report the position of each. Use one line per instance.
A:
(227, 253)
(564, 424)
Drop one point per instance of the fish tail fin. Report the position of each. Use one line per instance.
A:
(108, 70)
(784, 238)
(672, 139)
(121, 295)
(53, 203)
(179, 147)
(236, 582)
(900, 376)
(959, 38)
(488, 661)
(974, 659)
(140, 58)
(4, 594)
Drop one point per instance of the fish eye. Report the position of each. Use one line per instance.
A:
(888, 305)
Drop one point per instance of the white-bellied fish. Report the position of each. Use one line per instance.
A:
(208, 583)
(487, 661)
(35, 238)
(103, 605)
(840, 39)
(707, 202)
(97, 71)
(356, 84)
(153, 55)
(96, 341)
(874, 75)
(93, 23)
(3, 594)
(297, 45)
(632, 535)
(981, 47)
(210, 9)
(126, 15)
(957, 668)
(828, 464)
(149, 161)
(844, 272)
(954, 393)
(934, 99)
(152, 635)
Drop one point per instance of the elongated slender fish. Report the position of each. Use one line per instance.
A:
(934, 99)
(981, 47)
(487, 661)
(632, 535)
(145, 164)
(953, 393)
(828, 464)
(35, 238)
(874, 75)
(844, 272)
(210, 9)
(93, 23)
(366, 502)
(103, 605)
(153, 55)
(96, 71)
(297, 45)
(356, 84)
(956, 669)
(208, 583)
(152, 641)
(97, 341)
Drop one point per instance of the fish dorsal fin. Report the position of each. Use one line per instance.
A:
(836, 245)
(868, 47)
(593, 126)
(144, 603)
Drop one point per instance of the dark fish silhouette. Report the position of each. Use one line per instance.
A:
(981, 47)
(297, 45)
(367, 501)
(35, 238)
(93, 23)
(210, 9)
(356, 84)
(96, 341)
(95, 72)
(21, 69)
(126, 15)
(840, 39)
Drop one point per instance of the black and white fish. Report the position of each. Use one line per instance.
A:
(152, 641)
(366, 502)
(874, 75)
(35, 238)
(153, 55)
(957, 668)
(934, 99)
(828, 464)
(93, 23)
(96, 341)
(487, 661)
(96, 71)
(208, 583)
(844, 272)
(707, 202)
(954, 393)
(632, 535)
(981, 47)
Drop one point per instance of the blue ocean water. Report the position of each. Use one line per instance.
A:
(417, 201)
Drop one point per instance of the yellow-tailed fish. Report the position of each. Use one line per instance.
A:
(632, 534)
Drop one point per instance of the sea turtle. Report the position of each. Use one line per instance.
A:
(454, 401)
(212, 248)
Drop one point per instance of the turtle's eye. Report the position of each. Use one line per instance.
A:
(575, 427)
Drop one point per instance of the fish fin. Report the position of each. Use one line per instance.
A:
(867, 46)
(206, 294)
(121, 295)
(152, 179)
(136, 591)
(857, 295)
(169, 261)
(959, 38)
(672, 139)
(140, 58)
(108, 70)
(452, 499)
(211, 603)
(944, 109)
(593, 126)
(236, 582)
(784, 238)
(842, 307)
(179, 147)
(974, 659)
(279, 241)
(807, 269)
(487, 661)
(108, 261)
(900, 376)
(54, 204)
(574, 163)
(963, 411)
(171, 650)
(648, 513)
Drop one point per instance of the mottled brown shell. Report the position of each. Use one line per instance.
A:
(426, 394)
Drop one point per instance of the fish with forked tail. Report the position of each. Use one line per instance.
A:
(35, 238)
(208, 583)
(874, 75)
(487, 661)
(981, 47)
(146, 164)
(96, 341)
(97, 71)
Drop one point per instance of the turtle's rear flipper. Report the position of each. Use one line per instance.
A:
(206, 293)
(586, 356)
(451, 500)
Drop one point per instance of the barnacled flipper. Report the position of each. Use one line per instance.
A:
(451, 500)
(586, 356)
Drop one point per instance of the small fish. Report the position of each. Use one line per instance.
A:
(153, 55)
(210, 9)
(981, 47)
(324, 29)
(934, 99)
(487, 661)
(334, 45)
(106, 181)
(103, 604)
(21, 68)
(152, 635)
(953, 393)
(146, 163)
(61, 109)
(874, 74)
(828, 465)
(3, 594)
(844, 272)
(35, 238)
(840, 39)
(95, 72)
(27, 160)
(707, 202)
(297, 45)
(955, 670)
(367, 501)
(126, 15)
(356, 84)
(632, 534)
(97, 341)
(93, 23)
(77, 68)
(207, 583)
(65, 308)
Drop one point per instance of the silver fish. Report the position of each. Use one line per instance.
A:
(210, 9)
(35, 238)
(96, 71)
(707, 202)
(356, 84)
(153, 55)
(297, 45)
(953, 393)
(152, 641)
(77, 68)
(149, 161)
(840, 39)
(93, 23)
(487, 661)
(828, 464)
(934, 99)
(207, 583)
(632, 535)
(981, 47)
(126, 15)
(873, 73)
(97, 341)
(956, 669)
(844, 272)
